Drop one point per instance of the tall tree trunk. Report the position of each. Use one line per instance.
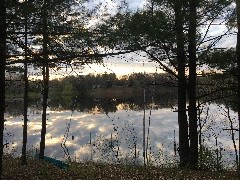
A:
(3, 37)
(238, 75)
(25, 113)
(182, 117)
(45, 82)
(192, 110)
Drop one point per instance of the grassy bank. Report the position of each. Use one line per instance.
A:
(36, 170)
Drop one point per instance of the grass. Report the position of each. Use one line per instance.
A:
(39, 170)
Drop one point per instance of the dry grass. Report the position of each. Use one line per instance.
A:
(41, 170)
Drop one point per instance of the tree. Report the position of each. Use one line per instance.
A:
(45, 73)
(181, 60)
(50, 47)
(25, 113)
(238, 73)
(3, 37)
(192, 109)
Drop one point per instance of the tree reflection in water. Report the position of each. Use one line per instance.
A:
(115, 126)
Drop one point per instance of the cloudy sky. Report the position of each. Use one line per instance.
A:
(135, 62)
(129, 63)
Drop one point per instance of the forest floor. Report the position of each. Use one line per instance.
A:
(36, 170)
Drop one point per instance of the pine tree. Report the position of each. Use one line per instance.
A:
(192, 110)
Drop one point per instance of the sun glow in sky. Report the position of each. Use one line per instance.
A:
(132, 62)
(124, 66)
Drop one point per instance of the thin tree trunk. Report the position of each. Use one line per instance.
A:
(45, 82)
(25, 113)
(44, 113)
(3, 37)
(192, 110)
(144, 131)
(182, 117)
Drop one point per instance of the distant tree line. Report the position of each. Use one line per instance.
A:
(212, 87)
(80, 85)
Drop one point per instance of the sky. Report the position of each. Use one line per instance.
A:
(124, 65)
(133, 62)
(128, 64)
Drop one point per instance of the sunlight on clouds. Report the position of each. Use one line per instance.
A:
(91, 126)
(51, 141)
(9, 123)
(71, 144)
(102, 129)
(34, 125)
(83, 152)
(34, 128)
(55, 118)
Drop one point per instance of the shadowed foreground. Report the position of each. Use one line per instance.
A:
(12, 169)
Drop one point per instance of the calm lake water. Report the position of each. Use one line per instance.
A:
(115, 134)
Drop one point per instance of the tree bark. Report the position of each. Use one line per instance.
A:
(192, 109)
(182, 117)
(25, 114)
(3, 37)
(45, 82)
(238, 75)
(25, 111)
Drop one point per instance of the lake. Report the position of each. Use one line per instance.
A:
(111, 131)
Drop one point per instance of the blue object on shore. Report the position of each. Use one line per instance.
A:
(55, 162)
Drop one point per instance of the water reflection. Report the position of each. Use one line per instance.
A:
(95, 105)
(111, 130)
(113, 136)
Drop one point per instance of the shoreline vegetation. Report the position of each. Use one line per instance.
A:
(108, 86)
(35, 169)
(115, 92)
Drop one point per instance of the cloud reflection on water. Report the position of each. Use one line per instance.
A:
(126, 127)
